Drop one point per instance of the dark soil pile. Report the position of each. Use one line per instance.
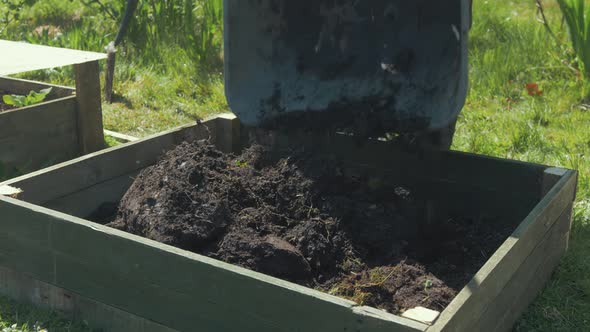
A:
(300, 218)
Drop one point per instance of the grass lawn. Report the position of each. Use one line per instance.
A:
(161, 87)
(15, 317)
(509, 49)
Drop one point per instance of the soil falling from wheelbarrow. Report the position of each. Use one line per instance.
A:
(303, 219)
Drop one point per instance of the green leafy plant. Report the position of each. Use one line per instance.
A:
(576, 14)
(9, 12)
(26, 100)
(241, 164)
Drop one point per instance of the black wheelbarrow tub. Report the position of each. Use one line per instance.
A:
(376, 65)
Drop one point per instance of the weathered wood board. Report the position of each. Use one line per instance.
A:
(43, 235)
(89, 107)
(19, 57)
(24, 288)
(536, 244)
(44, 134)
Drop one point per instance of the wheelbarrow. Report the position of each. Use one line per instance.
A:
(371, 68)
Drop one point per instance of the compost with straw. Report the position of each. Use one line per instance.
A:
(306, 219)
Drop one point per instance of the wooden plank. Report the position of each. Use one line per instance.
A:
(120, 137)
(24, 224)
(540, 278)
(35, 136)
(18, 57)
(183, 311)
(39, 156)
(227, 133)
(90, 135)
(22, 87)
(228, 288)
(550, 177)
(63, 110)
(494, 275)
(24, 254)
(529, 279)
(132, 274)
(75, 175)
(17, 162)
(248, 301)
(26, 289)
(83, 203)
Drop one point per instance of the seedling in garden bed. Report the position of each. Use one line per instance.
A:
(241, 164)
(26, 100)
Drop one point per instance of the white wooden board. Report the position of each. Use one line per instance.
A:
(18, 57)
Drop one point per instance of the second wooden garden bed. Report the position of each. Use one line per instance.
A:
(63, 127)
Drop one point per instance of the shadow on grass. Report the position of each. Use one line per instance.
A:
(118, 98)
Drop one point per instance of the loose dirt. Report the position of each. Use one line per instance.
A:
(300, 218)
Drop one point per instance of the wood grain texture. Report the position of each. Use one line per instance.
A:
(24, 254)
(90, 134)
(83, 203)
(133, 275)
(526, 283)
(227, 133)
(18, 57)
(26, 289)
(39, 135)
(120, 137)
(472, 301)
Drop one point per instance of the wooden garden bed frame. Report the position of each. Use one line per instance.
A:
(67, 126)
(51, 256)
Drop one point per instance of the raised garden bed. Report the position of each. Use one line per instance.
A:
(62, 127)
(52, 255)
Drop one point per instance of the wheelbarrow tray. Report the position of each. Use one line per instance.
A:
(373, 66)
